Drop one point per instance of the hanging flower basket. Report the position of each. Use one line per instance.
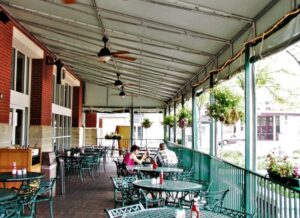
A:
(113, 135)
(169, 121)
(280, 169)
(146, 123)
(226, 107)
(184, 118)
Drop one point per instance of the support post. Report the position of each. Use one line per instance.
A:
(249, 127)
(212, 141)
(131, 126)
(169, 126)
(165, 126)
(194, 122)
(183, 129)
(174, 122)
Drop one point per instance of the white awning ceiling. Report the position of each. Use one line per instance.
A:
(174, 41)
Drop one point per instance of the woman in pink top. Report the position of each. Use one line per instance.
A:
(130, 158)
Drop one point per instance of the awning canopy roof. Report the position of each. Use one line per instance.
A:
(172, 40)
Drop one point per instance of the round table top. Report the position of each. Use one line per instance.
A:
(159, 169)
(168, 185)
(9, 177)
(6, 194)
(170, 212)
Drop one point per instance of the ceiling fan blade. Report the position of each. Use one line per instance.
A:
(117, 53)
(126, 58)
(69, 1)
(129, 84)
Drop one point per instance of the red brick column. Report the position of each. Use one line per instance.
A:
(6, 31)
(91, 120)
(77, 106)
(41, 93)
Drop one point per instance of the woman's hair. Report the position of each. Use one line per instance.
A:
(134, 148)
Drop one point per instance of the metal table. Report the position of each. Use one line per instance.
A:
(6, 194)
(9, 177)
(158, 170)
(168, 186)
(170, 213)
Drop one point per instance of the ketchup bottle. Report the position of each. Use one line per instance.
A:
(154, 165)
(161, 177)
(14, 170)
(195, 213)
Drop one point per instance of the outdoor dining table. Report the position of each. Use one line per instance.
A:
(170, 213)
(29, 176)
(168, 186)
(158, 169)
(6, 194)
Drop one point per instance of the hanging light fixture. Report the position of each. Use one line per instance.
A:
(122, 93)
(104, 54)
(118, 83)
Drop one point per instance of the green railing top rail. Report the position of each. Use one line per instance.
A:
(174, 145)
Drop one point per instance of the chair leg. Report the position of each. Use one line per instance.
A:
(51, 208)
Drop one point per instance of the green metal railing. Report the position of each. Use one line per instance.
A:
(268, 198)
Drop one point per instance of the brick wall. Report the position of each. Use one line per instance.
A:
(77, 106)
(5, 69)
(91, 120)
(41, 93)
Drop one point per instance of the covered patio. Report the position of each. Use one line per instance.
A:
(81, 58)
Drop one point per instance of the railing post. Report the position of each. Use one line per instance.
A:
(182, 129)
(174, 128)
(212, 141)
(194, 122)
(169, 126)
(131, 126)
(249, 128)
(165, 126)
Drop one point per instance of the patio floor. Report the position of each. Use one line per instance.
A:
(83, 200)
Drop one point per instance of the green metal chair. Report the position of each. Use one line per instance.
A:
(233, 213)
(9, 208)
(87, 165)
(118, 183)
(26, 198)
(210, 200)
(119, 212)
(147, 201)
(130, 195)
(46, 193)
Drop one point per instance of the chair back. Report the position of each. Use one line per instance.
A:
(119, 212)
(212, 199)
(232, 213)
(119, 182)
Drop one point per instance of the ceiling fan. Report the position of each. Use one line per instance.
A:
(105, 54)
(122, 93)
(119, 84)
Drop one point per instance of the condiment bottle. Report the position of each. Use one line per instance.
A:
(195, 213)
(161, 177)
(14, 170)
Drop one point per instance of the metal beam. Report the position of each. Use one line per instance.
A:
(183, 5)
(143, 21)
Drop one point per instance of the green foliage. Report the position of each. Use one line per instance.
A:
(279, 165)
(113, 135)
(226, 106)
(234, 157)
(184, 117)
(169, 120)
(146, 123)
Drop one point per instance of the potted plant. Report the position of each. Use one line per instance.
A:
(169, 120)
(226, 106)
(280, 168)
(184, 117)
(146, 123)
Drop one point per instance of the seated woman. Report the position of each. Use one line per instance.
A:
(131, 158)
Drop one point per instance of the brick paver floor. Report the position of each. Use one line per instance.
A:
(83, 200)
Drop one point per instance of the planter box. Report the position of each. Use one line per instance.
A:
(285, 180)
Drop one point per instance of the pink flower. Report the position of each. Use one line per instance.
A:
(296, 171)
